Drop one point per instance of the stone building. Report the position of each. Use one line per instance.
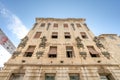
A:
(64, 49)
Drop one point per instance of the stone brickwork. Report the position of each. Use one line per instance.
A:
(75, 55)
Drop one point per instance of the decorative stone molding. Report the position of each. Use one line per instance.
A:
(43, 42)
(106, 54)
(39, 54)
(23, 42)
(15, 54)
(83, 54)
(79, 43)
(98, 43)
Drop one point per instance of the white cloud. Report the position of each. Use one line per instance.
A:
(15, 25)
(4, 56)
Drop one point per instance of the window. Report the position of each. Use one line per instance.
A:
(29, 51)
(78, 25)
(17, 76)
(52, 52)
(37, 35)
(74, 76)
(103, 77)
(67, 35)
(49, 76)
(92, 51)
(65, 25)
(83, 34)
(55, 25)
(54, 35)
(42, 24)
(69, 51)
(106, 77)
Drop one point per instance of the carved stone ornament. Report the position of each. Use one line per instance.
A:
(43, 42)
(79, 43)
(106, 54)
(83, 54)
(15, 54)
(39, 54)
(23, 42)
(98, 43)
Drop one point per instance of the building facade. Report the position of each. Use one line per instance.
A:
(64, 49)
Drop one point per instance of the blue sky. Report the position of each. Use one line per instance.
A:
(18, 16)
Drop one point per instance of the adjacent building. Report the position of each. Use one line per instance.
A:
(64, 49)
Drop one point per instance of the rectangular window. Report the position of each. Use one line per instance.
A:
(65, 25)
(17, 76)
(42, 25)
(37, 35)
(83, 35)
(69, 51)
(106, 77)
(29, 51)
(74, 76)
(78, 25)
(52, 52)
(67, 35)
(92, 51)
(103, 77)
(49, 76)
(54, 35)
(55, 25)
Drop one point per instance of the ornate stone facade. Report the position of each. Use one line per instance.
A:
(64, 49)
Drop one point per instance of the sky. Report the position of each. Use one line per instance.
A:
(18, 16)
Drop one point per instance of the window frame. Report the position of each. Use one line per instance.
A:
(84, 35)
(69, 52)
(74, 74)
(67, 35)
(54, 35)
(42, 25)
(93, 53)
(30, 50)
(52, 52)
(37, 35)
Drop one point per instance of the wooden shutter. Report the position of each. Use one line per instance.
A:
(67, 34)
(55, 25)
(30, 49)
(78, 25)
(69, 48)
(65, 25)
(53, 50)
(92, 50)
(83, 33)
(54, 33)
(37, 35)
(42, 24)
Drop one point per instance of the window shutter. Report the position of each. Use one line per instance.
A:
(65, 25)
(69, 48)
(37, 35)
(54, 33)
(53, 50)
(67, 34)
(78, 25)
(31, 49)
(55, 25)
(82, 33)
(92, 50)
